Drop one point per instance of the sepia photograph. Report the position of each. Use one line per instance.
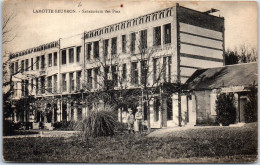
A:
(124, 81)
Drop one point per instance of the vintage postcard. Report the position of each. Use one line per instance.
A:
(129, 81)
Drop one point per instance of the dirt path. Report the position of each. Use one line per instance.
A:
(171, 130)
(44, 134)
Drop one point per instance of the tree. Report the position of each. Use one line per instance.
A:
(231, 57)
(247, 54)
(145, 86)
(226, 111)
(251, 105)
(20, 76)
(8, 35)
(104, 82)
(243, 54)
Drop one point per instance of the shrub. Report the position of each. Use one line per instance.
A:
(100, 122)
(63, 125)
(121, 127)
(8, 128)
(75, 125)
(226, 111)
(251, 106)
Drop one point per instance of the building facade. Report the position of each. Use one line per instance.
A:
(143, 54)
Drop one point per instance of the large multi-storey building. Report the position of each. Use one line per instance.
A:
(165, 46)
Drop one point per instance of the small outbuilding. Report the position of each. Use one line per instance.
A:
(204, 85)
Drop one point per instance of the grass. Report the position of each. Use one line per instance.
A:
(216, 144)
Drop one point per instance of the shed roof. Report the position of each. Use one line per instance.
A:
(226, 76)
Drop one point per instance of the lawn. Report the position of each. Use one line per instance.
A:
(216, 144)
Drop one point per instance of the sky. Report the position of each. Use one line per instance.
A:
(33, 29)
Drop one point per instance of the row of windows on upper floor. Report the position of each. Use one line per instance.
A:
(93, 48)
(126, 24)
(36, 49)
(130, 23)
(41, 87)
(70, 52)
(40, 61)
(52, 58)
(35, 64)
(136, 75)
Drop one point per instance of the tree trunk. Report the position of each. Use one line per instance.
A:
(148, 118)
(161, 112)
(179, 107)
(161, 108)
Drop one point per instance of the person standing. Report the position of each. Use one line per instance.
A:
(130, 121)
(139, 119)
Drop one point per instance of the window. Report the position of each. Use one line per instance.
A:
(37, 62)
(55, 107)
(145, 111)
(213, 98)
(96, 49)
(143, 37)
(157, 36)
(71, 82)
(50, 60)
(64, 83)
(106, 70)
(132, 46)
(37, 85)
(124, 43)
(114, 75)
(64, 111)
(78, 53)
(144, 71)
(89, 75)
(63, 57)
(167, 69)
(79, 115)
(26, 64)
(155, 67)
(16, 67)
(55, 59)
(55, 84)
(31, 85)
(15, 89)
(12, 68)
(42, 85)
(156, 109)
(31, 63)
(22, 65)
(105, 48)
(71, 55)
(96, 70)
(78, 76)
(114, 46)
(167, 33)
(88, 50)
(22, 87)
(49, 79)
(42, 62)
(169, 109)
(124, 72)
(164, 69)
(72, 111)
(26, 88)
(134, 73)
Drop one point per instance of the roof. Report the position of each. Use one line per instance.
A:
(227, 76)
